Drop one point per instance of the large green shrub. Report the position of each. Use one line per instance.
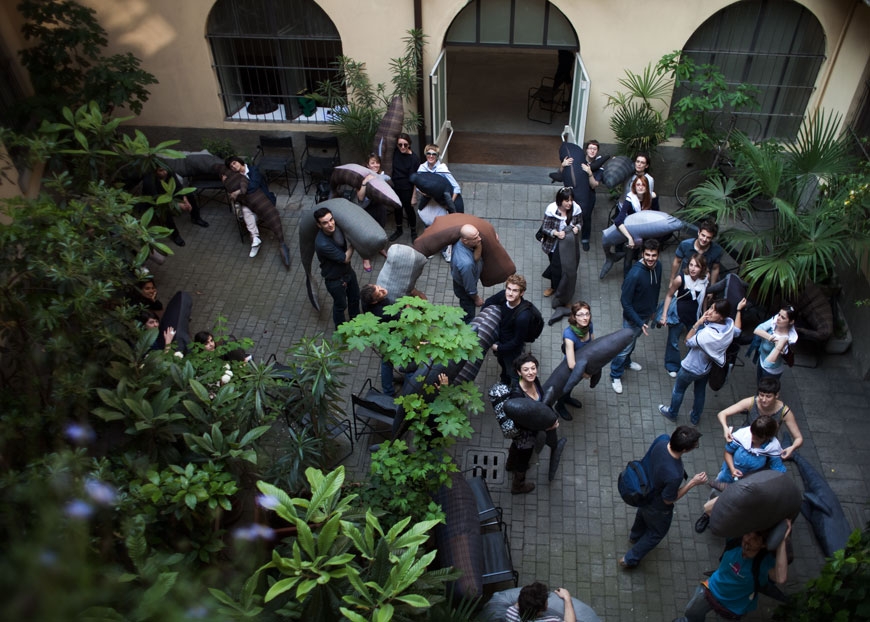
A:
(841, 593)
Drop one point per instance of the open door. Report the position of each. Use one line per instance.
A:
(579, 103)
(438, 96)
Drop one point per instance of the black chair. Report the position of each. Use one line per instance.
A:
(489, 513)
(548, 98)
(375, 412)
(321, 155)
(498, 566)
(276, 159)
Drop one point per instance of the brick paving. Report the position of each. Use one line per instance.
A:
(569, 532)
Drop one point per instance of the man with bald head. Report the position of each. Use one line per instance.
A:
(465, 269)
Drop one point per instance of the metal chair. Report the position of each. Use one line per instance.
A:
(321, 155)
(549, 99)
(375, 412)
(277, 160)
(489, 513)
(497, 563)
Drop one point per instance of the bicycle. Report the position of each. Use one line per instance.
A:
(722, 163)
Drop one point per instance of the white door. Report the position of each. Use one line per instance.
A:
(438, 95)
(579, 101)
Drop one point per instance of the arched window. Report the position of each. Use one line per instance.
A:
(268, 54)
(513, 23)
(776, 45)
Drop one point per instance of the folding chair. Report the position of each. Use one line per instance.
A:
(375, 412)
(549, 99)
(321, 155)
(277, 160)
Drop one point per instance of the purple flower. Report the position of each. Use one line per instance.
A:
(100, 492)
(254, 532)
(78, 509)
(79, 434)
(269, 502)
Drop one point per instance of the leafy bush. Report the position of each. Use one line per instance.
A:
(841, 593)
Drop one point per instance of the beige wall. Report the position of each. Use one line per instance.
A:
(169, 37)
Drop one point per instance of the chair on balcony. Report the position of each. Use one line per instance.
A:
(548, 99)
(321, 155)
(276, 159)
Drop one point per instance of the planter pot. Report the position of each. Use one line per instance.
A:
(839, 344)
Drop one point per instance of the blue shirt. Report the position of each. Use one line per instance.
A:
(733, 582)
(687, 248)
(463, 268)
(569, 333)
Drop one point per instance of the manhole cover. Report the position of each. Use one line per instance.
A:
(491, 463)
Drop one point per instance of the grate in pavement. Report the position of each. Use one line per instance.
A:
(491, 461)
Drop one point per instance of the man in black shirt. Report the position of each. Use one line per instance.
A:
(334, 254)
(513, 327)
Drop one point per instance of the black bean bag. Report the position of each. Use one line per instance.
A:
(458, 539)
(756, 502)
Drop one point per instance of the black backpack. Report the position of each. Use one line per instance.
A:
(536, 322)
(634, 485)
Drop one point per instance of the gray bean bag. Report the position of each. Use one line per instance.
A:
(497, 607)
(360, 229)
(756, 502)
(569, 254)
(641, 225)
(616, 171)
(403, 267)
(530, 414)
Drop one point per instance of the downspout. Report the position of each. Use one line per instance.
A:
(835, 54)
(421, 102)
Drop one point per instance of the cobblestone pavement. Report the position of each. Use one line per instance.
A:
(570, 532)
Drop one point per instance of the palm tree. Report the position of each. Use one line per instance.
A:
(812, 225)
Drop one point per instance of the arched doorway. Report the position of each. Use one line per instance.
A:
(496, 52)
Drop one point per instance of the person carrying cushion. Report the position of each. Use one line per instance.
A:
(405, 163)
(577, 334)
(559, 216)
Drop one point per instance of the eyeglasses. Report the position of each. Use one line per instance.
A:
(431, 153)
(401, 144)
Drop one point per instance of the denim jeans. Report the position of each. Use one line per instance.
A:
(684, 379)
(621, 360)
(387, 379)
(697, 608)
(672, 347)
(345, 295)
(651, 525)
(466, 302)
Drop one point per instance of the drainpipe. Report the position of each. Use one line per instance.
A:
(421, 102)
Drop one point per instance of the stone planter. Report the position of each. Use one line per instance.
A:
(841, 340)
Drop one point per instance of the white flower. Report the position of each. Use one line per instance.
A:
(225, 379)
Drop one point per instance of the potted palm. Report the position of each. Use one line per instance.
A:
(813, 227)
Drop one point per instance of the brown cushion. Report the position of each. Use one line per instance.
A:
(497, 264)
(377, 189)
(458, 538)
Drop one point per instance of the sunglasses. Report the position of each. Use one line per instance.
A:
(404, 144)
(431, 153)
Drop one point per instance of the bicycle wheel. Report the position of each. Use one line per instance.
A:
(687, 183)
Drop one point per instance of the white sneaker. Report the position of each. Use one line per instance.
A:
(255, 247)
(635, 366)
(616, 383)
(447, 253)
(672, 374)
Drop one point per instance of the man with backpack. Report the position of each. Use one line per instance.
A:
(663, 466)
(521, 322)
(732, 590)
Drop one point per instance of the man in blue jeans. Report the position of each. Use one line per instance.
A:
(640, 298)
(663, 464)
(707, 340)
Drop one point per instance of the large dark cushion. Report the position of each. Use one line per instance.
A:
(458, 539)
